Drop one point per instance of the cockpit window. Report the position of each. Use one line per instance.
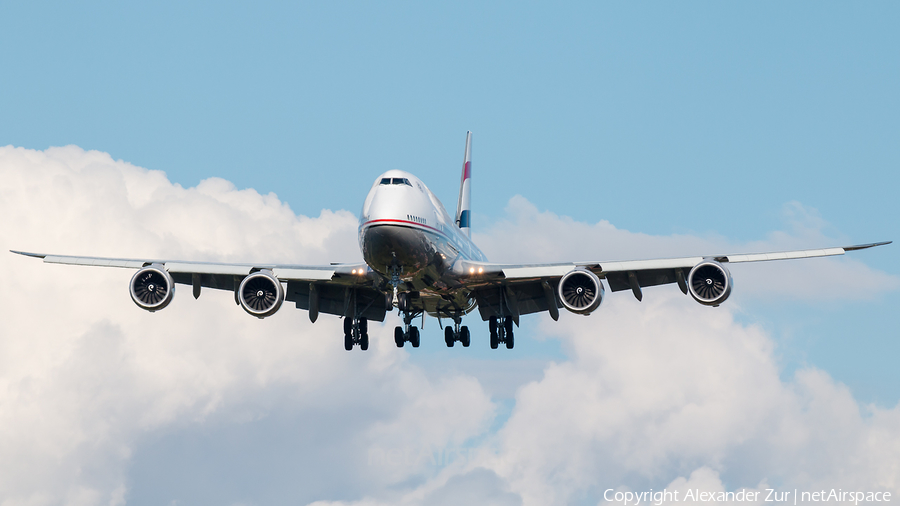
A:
(396, 180)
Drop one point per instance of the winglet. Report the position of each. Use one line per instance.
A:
(866, 246)
(464, 206)
(35, 255)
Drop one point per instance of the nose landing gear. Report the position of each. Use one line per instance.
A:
(501, 332)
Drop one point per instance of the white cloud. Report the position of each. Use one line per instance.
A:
(670, 387)
(665, 393)
(86, 374)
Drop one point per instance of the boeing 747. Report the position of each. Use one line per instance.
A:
(419, 259)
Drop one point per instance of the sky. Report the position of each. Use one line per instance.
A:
(227, 132)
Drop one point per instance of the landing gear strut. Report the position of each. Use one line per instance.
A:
(501, 332)
(356, 331)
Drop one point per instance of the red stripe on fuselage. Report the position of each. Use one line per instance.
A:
(404, 222)
(466, 173)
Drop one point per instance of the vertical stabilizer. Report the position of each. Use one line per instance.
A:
(464, 207)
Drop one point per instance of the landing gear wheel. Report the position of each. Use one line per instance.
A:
(403, 301)
(364, 342)
(348, 342)
(364, 326)
(398, 336)
(464, 336)
(348, 326)
(449, 338)
(508, 326)
(414, 337)
(495, 339)
(509, 341)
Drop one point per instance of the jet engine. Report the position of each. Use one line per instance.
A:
(152, 288)
(261, 294)
(710, 283)
(580, 291)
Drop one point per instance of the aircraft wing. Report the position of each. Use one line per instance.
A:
(517, 289)
(284, 272)
(318, 288)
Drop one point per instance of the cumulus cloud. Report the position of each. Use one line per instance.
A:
(87, 375)
(668, 388)
(665, 393)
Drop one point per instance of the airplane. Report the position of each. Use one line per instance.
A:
(420, 260)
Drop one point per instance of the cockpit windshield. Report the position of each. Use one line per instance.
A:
(395, 180)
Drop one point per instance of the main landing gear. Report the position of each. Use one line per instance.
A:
(456, 333)
(501, 332)
(407, 333)
(356, 331)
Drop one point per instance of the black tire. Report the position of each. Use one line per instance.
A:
(414, 337)
(403, 301)
(449, 338)
(508, 325)
(464, 336)
(495, 341)
(364, 326)
(348, 326)
(510, 342)
(364, 342)
(348, 342)
(398, 336)
(492, 324)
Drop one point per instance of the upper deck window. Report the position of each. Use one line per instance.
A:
(396, 180)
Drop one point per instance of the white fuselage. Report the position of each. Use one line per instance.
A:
(405, 229)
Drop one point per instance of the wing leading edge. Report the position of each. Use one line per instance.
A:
(283, 272)
(515, 272)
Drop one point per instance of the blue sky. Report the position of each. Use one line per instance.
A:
(688, 117)
(728, 123)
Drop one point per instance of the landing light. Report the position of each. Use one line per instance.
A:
(480, 270)
(471, 270)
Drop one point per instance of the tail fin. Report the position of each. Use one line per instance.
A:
(463, 208)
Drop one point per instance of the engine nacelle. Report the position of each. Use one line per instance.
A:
(152, 288)
(709, 283)
(580, 291)
(261, 294)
